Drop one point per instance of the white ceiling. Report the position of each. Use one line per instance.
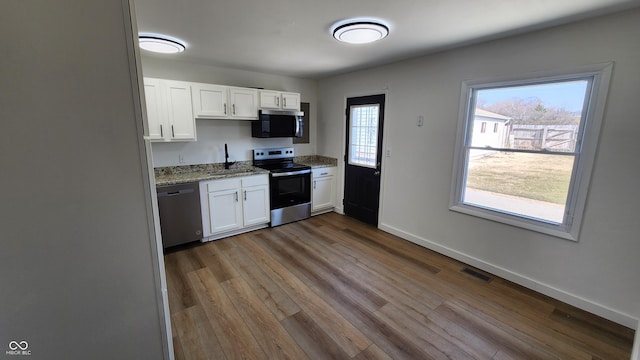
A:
(293, 37)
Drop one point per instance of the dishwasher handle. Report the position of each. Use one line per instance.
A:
(175, 193)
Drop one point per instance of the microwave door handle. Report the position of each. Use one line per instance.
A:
(297, 129)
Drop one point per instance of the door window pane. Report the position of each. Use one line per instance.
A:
(363, 130)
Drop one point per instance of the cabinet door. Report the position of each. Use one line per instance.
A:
(244, 103)
(180, 111)
(210, 101)
(155, 111)
(290, 101)
(256, 205)
(269, 99)
(323, 190)
(225, 211)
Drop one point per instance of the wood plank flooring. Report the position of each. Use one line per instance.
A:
(333, 288)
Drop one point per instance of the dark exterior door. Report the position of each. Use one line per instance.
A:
(365, 118)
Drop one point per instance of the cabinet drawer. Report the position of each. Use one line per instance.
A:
(324, 171)
(255, 180)
(220, 185)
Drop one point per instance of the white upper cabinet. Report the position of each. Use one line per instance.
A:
(173, 106)
(290, 101)
(270, 99)
(224, 102)
(244, 103)
(155, 112)
(169, 110)
(210, 101)
(179, 105)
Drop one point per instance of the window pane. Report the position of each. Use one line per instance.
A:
(528, 184)
(529, 166)
(534, 117)
(363, 129)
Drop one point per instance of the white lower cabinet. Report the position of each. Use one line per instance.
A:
(323, 190)
(225, 211)
(235, 205)
(255, 207)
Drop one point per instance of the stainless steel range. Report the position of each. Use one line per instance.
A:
(289, 184)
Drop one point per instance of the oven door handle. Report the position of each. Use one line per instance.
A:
(290, 173)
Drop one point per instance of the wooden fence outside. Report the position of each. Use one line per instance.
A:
(538, 137)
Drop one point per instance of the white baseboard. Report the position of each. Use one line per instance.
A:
(233, 232)
(323, 211)
(577, 301)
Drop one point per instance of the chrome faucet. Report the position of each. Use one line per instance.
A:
(226, 158)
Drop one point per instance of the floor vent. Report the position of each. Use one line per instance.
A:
(476, 274)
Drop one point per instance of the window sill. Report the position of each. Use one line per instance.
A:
(559, 231)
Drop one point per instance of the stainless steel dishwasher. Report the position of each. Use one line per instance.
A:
(180, 215)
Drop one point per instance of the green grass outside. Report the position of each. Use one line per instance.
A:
(532, 176)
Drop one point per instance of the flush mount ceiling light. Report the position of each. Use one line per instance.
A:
(360, 31)
(161, 43)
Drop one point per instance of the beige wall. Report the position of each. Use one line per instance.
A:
(598, 273)
(78, 272)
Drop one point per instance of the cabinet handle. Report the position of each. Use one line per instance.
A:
(284, 102)
(321, 174)
(245, 195)
(225, 109)
(277, 100)
(173, 133)
(236, 196)
(234, 108)
(314, 184)
(161, 132)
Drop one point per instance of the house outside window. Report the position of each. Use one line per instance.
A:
(533, 170)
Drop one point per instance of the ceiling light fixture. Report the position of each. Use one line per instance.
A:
(355, 31)
(161, 43)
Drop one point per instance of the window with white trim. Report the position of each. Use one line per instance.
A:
(533, 170)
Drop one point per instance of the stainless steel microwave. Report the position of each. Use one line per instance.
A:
(278, 123)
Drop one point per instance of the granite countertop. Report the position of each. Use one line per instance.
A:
(316, 161)
(172, 175)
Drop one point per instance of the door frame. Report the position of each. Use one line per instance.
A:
(342, 161)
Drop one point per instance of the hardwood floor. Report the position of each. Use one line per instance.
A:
(333, 288)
